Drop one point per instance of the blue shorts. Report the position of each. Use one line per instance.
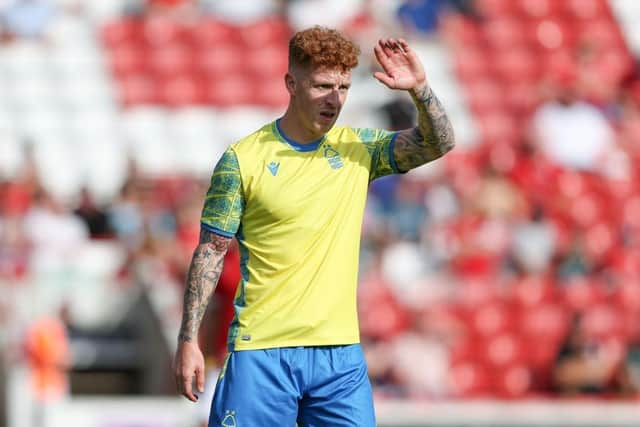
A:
(313, 386)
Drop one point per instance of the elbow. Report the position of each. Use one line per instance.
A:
(447, 143)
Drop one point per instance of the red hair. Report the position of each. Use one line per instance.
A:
(322, 47)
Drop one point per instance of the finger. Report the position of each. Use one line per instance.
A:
(387, 47)
(200, 380)
(187, 389)
(382, 57)
(384, 79)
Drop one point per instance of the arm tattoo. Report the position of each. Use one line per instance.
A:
(431, 139)
(204, 272)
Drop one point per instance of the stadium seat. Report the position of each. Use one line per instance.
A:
(122, 32)
(219, 62)
(265, 32)
(137, 89)
(210, 32)
(586, 9)
(160, 31)
(181, 91)
(513, 382)
(539, 9)
(470, 380)
(494, 8)
(506, 33)
(127, 60)
(170, 61)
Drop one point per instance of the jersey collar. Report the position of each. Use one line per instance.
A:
(311, 146)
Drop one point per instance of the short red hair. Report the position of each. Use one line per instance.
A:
(322, 47)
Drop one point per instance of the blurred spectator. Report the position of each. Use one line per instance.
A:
(28, 18)
(571, 132)
(533, 243)
(125, 216)
(584, 364)
(407, 216)
(421, 17)
(629, 375)
(94, 217)
(55, 234)
(49, 358)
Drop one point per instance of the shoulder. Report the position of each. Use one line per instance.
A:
(264, 134)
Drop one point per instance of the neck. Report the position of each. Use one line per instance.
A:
(294, 129)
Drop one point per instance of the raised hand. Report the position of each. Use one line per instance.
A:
(402, 69)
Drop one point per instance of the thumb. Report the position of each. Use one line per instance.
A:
(384, 78)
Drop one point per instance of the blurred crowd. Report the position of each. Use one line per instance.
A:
(510, 268)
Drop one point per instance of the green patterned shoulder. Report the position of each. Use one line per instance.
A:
(379, 143)
(224, 202)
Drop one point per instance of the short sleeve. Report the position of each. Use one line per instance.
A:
(224, 203)
(380, 144)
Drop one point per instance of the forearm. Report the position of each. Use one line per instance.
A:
(431, 138)
(204, 272)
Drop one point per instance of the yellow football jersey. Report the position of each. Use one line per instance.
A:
(296, 211)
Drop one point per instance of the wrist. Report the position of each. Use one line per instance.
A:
(184, 337)
(421, 92)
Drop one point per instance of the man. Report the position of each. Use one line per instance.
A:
(293, 195)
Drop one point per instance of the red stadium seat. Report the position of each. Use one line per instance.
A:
(181, 91)
(579, 293)
(531, 291)
(498, 126)
(494, 8)
(548, 322)
(219, 62)
(210, 33)
(586, 9)
(461, 32)
(492, 319)
(484, 94)
(516, 65)
(138, 90)
(471, 63)
(271, 93)
(468, 380)
(521, 97)
(128, 60)
(267, 62)
(171, 60)
(603, 321)
(540, 9)
(602, 32)
(512, 382)
(506, 33)
(265, 32)
(122, 32)
(504, 350)
(160, 31)
(231, 91)
(552, 34)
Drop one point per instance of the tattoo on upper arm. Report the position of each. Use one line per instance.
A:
(204, 272)
(432, 138)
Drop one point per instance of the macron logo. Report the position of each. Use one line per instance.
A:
(273, 168)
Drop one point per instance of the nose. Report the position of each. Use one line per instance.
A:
(333, 98)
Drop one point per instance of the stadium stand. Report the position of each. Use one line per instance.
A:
(490, 270)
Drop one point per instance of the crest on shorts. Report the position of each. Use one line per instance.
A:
(229, 419)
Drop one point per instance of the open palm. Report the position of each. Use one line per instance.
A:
(401, 66)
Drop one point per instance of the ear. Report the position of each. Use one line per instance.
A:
(290, 83)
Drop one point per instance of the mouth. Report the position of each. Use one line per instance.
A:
(328, 115)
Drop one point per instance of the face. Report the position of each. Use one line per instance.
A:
(318, 95)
